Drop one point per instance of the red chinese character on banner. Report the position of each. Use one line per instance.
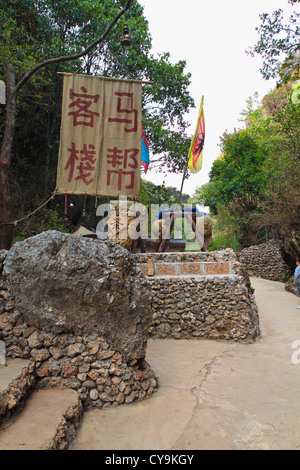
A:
(116, 157)
(121, 109)
(120, 161)
(71, 162)
(83, 115)
(120, 174)
(86, 165)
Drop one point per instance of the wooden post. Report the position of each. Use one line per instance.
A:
(150, 267)
(181, 188)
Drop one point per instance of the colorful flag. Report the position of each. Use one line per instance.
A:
(145, 152)
(196, 148)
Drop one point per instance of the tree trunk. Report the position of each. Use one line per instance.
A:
(6, 227)
(6, 221)
(6, 216)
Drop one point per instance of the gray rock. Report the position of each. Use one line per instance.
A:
(2, 258)
(64, 283)
(2, 353)
(291, 287)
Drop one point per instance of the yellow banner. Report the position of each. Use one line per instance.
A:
(196, 148)
(100, 138)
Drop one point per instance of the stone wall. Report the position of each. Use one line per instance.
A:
(291, 287)
(14, 395)
(16, 391)
(194, 263)
(86, 364)
(194, 295)
(79, 311)
(220, 308)
(200, 295)
(264, 261)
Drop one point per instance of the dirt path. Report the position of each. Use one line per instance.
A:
(215, 395)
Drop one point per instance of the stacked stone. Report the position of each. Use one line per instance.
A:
(79, 311)
(16, 391)
(204, 256)
(220, 308)
(264, 261)
(86, 364)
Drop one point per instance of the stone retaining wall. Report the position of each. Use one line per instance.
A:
(12, 400)
(194, 263)
(220, 308)
(195, 295)
(85, 364)
(88, 364)
(103, 360)
(264, 261)
(16, 391)
(200, 295)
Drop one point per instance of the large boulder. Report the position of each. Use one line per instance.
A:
(64, 283)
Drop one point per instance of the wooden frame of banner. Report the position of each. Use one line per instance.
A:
(104, 80)
(146, 82)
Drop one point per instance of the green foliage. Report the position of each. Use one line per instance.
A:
(35, 30)
(277, 126)
(236, 179)
(279, 44)
(171, 146)
(46, 219)
(151, 193)
(257, 176)
(205, 196)
(256, 179)
(226, 232)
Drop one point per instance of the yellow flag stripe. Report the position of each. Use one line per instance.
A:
(198, 166)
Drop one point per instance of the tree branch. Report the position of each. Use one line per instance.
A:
(67, 58)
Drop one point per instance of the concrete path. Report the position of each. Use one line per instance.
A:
(215, 395)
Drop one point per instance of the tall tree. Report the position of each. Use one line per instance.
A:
(279, 44)
(85, 37)
(237, 177)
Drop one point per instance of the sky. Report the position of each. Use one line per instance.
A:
(212, 37)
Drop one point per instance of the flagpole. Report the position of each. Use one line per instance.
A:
(182, 182)
(194, 168)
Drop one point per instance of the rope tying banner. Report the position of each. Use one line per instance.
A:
(15, 222)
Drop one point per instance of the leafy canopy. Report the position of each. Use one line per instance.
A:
(279, 44)
(235, 178)
(33, 30)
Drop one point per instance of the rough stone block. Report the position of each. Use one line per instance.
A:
(144, 269)
(162, 269)
(217, 268)
(190, 268)
(64, 283)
